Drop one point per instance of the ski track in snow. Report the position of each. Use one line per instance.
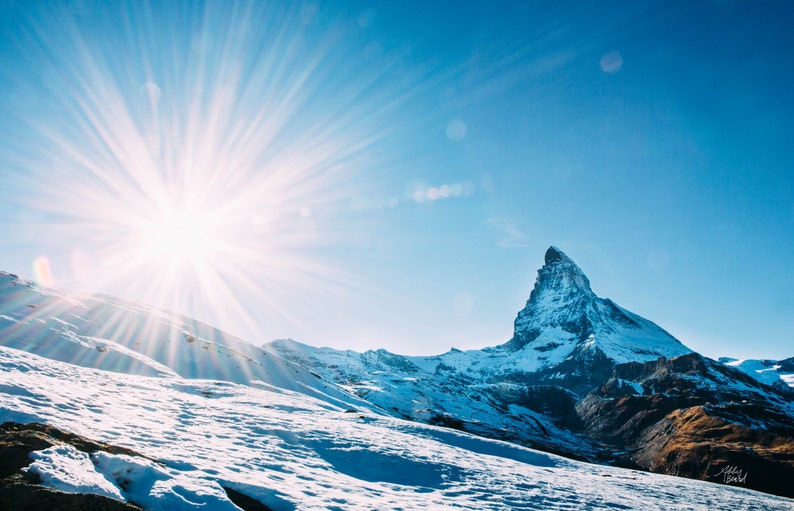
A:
(291, 451)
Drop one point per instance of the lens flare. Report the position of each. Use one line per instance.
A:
(611, 62)
(176, 237)
(42, 271)
(198, 168)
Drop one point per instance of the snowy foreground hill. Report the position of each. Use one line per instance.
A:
(288, 451)
(173, 414)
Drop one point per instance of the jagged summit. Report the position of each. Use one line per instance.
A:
(560, 274)
(563, 310)
(554, 254)
(561, 297)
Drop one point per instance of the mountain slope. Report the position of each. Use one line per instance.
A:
(563, 302)
(567, 341)
(132, 338)
(693, 417)
(586, 378)
(581, 376)
(196, 439)
(565, 329)
(438, 390)
(775, 373)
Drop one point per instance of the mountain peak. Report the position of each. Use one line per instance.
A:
(563, 313)
(560, 275)
(560, 296)
(554, 254)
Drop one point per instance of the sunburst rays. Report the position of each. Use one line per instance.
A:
(198, 155)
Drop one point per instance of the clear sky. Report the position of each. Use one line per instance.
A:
(389, 174)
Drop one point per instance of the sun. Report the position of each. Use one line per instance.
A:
(177, 237)
(209, 171)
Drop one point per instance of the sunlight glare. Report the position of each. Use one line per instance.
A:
(177, 237)
(176, 176)
(42, 271)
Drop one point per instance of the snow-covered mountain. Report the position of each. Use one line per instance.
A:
(563, 318)
(453, 389)
(569, 377)
(132, 338)
(565, 335)
(171, 443)
(775, 373)
(209, 419)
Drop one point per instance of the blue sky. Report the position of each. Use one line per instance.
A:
(389, 174)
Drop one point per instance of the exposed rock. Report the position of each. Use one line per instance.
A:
(698, 419)
(560, 298)
(243, 501)
(20, 491)
(693, 443)
(787, 365)
(24, 496)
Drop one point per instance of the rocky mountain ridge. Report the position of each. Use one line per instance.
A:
(776, 373)
(583, 377)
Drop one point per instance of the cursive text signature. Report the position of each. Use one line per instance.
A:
(732, 474)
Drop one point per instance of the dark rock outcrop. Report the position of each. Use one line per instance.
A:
(694, 418)
(21, 491)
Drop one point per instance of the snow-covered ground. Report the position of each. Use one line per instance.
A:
(293, 451)
(217, 412)
(457, 385)
(765, 371)
(116, 335)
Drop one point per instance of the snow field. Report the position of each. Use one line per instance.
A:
(291, 451)
(65, 468)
